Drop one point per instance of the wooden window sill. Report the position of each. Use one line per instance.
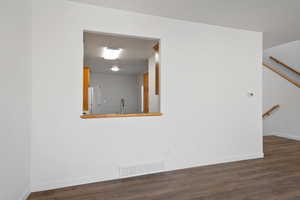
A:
(94, 116)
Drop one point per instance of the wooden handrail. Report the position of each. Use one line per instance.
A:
(268, 113)
(282, 75)
(284, 65)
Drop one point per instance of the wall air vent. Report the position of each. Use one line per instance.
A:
(141, 169)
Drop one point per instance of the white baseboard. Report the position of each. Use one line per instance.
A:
(288, 136)
(56, 184)
(25, 194)
(226, 160)
(269, 134)
(86, 180)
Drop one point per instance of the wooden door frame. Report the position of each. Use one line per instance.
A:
(86, 85)
(146, 92)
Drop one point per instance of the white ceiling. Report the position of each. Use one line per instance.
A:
(278, 19)
(133, 59)
(130, 67)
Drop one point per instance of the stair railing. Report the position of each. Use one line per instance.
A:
(269, 112)
(285, 65)
(282, 75)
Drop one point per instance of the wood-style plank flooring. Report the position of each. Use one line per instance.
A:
(277, 177)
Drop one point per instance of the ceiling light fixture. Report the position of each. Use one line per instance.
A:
(115, 68)
(111, 54)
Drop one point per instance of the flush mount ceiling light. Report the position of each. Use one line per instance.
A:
(111, 54)
(115, 68)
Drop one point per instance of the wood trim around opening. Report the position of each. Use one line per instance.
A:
(120, 115)
(146, 92)
(157, 79)
(157, 71)
(86, 84)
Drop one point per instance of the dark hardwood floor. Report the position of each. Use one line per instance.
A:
(277, 177)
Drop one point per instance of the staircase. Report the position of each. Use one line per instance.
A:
(281, 82)
(284, 71)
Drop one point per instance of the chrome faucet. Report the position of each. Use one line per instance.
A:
(122, 106)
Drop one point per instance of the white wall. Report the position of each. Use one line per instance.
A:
(206, 74)
(15, 73)
(276, 90)
(114, 87)
(154, 100)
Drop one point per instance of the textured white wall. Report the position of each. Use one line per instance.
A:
(276, 90)
(15, 84)
(206, 74)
